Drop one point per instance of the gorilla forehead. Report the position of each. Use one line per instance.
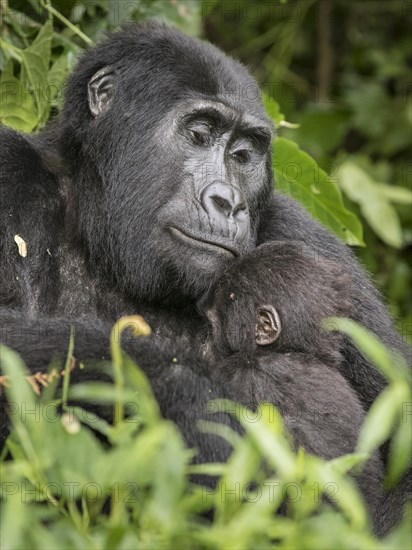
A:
(153, 60)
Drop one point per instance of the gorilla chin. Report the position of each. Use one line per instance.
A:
(202, 260)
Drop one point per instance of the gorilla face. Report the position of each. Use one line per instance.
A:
(183, 162)
(221, 156)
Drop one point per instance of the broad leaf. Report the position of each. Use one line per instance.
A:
(374, 202)
(57, 76)
(35, 70)
(401, 448)
(298, 175)
(16, 106)
(273, 109)
(381, 419)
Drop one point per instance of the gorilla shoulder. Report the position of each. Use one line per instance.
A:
(31, 211)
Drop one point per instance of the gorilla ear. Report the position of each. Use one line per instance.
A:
(268, 326)
(100, 91)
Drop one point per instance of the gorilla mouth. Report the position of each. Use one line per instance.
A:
(204, 243)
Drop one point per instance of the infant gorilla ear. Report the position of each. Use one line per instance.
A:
(268, 325)
(277, 295)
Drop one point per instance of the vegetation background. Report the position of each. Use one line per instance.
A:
(336, 79)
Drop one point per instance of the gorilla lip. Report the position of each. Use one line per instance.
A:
(207, 244)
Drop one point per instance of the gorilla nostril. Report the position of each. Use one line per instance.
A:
(222, 200)
(222, 204)
(239, 208)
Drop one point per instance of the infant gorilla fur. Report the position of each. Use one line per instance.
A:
(267, 344)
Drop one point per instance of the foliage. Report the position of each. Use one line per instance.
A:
(298, 175)
(65, 489)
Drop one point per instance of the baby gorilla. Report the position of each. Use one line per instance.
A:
(267, 344)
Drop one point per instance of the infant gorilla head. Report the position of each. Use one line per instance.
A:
(275, 299)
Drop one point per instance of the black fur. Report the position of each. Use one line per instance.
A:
(95, 194)
(300, 371)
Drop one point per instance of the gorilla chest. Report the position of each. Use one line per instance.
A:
(83, 296)
(183, 330)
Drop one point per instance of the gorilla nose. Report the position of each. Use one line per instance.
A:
(222, 199)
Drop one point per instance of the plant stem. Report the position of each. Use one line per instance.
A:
(66, 22)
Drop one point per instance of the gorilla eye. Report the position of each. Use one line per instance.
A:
(201, 134)
(242, 156)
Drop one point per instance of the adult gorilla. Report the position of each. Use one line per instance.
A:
(155, 176)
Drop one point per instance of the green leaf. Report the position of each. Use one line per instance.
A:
(298, 175)
(341, 489)
(72, 470)
(210, 469)
(392, 366)
(57, 76)
(144, 400)
(35, 70)
(168, 478)
(241, 467)
(344, 464)
(384, 220)
(93, 421)
(16, 107)
(400, 538)
(273, 109)
(395, 193)
(15, 515)
(99, 392)
(401, 448)
(373, 201)
(266, 431)
(24, 410)
(221, 430)
(10, 51)
(381, 419)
